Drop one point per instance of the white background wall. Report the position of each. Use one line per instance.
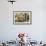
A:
(9, 31)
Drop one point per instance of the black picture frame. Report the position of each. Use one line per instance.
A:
(22, 15)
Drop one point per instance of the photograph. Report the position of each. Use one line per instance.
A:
(22, 17)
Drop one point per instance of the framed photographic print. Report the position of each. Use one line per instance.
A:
(22, 17)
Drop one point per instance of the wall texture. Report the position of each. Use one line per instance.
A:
(9, 31)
